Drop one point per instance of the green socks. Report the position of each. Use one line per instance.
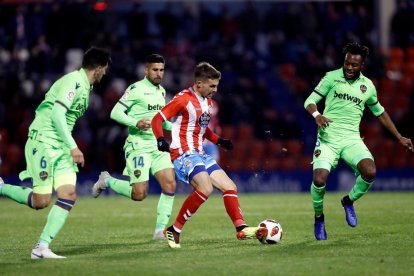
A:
(317, 198)
(19, 194)
(120, 187)
(164, 210)
(360, 188)
(56, 219)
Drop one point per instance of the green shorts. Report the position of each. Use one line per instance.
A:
(140, 163)
(327, 154)
(45, 164)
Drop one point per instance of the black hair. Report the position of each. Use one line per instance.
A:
(95, 57)
(204, 71)
(155, 58)
(356, 49)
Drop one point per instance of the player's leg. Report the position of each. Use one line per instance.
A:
(63, 177)
(189, 169)
(38, 169)
(222, 182)
(137, 168)
(324, 159)
(165, 175)
(361, 160)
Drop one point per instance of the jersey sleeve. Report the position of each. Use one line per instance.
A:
(320, 91)
(118, 114)
(59, 121)
(324, 85)
(175, 106)
(374, 105)
(67, 92)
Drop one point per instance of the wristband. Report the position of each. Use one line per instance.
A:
(316, 114)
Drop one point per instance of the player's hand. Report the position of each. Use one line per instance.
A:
(163, 145)
(406, 142)
(77, 157)
(144, 124)
(225, 143)
(322, 121)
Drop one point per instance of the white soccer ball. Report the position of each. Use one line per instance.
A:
(274, 231)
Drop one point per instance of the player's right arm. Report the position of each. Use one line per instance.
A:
(320, 92)
(173, 108)
(118, 114)
(64, 100)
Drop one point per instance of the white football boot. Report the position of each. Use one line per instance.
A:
(100, 185)
(44, 252)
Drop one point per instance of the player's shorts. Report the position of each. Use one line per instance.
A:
(352, 150)
(189, 164)
(139, 164)
(49, 167)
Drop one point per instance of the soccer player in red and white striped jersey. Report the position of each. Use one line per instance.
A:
(190, 113)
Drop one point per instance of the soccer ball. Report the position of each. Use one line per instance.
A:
(274, 231)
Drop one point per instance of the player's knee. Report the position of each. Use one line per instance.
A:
(138, 196)
(40, 203)
(169, 186)
(369, 173)
(207, 190)
(319, 181)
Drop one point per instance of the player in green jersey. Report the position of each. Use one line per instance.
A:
(139, 104)
(346, 92)
(52, 156)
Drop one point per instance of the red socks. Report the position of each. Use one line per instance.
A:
(231, 202)
(189, 207)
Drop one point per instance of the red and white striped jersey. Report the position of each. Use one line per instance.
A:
(190, 115)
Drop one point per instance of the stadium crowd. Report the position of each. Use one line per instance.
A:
(271, 56)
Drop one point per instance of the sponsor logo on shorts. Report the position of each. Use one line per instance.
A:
(187, 163)
(363, 88)
(317, 152)
(137, 173)
(43, 175)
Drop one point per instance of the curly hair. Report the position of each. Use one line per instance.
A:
(356, 49)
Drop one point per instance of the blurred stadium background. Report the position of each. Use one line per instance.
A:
(271, 54)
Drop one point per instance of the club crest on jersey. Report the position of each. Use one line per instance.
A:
(43, 175)
(317, 152)
(204, 119)
(137, 173)
(70, 96)
(363, 88)
(126, 95)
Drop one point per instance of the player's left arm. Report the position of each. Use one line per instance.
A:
(219, 141)
(378, 110)
(386, 121)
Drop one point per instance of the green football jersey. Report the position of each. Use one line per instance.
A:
(345, 102)
(72, 91)
(142, 100)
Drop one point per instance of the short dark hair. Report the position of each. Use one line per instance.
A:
(155, 58)
(204, 71)
(95, 57)
(356, 49)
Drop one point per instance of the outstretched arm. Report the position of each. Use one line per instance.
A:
(214, 138)
(386, 121)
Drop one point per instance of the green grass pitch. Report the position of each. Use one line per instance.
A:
(113, 236)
